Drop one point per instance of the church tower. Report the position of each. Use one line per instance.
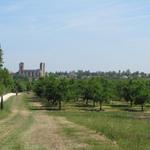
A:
(21, 68)
(42, 69)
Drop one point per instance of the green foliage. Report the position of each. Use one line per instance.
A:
(51, 88)
(21, 84)
(135, 91)
(6, 81)
(93, 89)
(56, 89)
(143, 94)
(101, 92)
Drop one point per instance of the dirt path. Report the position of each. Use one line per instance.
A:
(36, 130)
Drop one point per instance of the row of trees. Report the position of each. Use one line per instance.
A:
(93, 89)
(5, 79)
(110, 74)
(53, 89)
(135, 91)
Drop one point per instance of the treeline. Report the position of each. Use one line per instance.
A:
(15, 84)
(97, 90)
(110, 74)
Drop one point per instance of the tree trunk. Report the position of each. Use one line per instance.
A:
(100, 106)
(142, 107)
(59, 104)
(2, 102)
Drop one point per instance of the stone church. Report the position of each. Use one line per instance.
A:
(32, 74)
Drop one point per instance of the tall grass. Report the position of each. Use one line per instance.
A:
(7, 107)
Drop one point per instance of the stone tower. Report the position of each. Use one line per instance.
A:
(42, 69)
(21, 68)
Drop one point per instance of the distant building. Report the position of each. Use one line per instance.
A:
(32, 74)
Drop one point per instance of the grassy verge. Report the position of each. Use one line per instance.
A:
(17, 121)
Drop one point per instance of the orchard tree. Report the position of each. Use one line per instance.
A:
(87, 89)
(101, 94)
(53, 89)
(61, 91)
(130, 90)
(39, 87)
(21, 84)
(143, 95)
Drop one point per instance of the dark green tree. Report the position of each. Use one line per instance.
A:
(6, 83)
(143, 94)
(130, 90)
(101, 93)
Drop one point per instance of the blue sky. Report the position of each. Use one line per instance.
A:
(76, 34)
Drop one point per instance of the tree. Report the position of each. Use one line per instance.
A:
(1, 94)
(53, 89)
(130, 89)
(143, 95)
(87, 89)
(39, 87)
(6, 83)
(61, 91)
(101, 93)
(21, 84)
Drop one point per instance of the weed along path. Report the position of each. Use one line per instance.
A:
(29, 127)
